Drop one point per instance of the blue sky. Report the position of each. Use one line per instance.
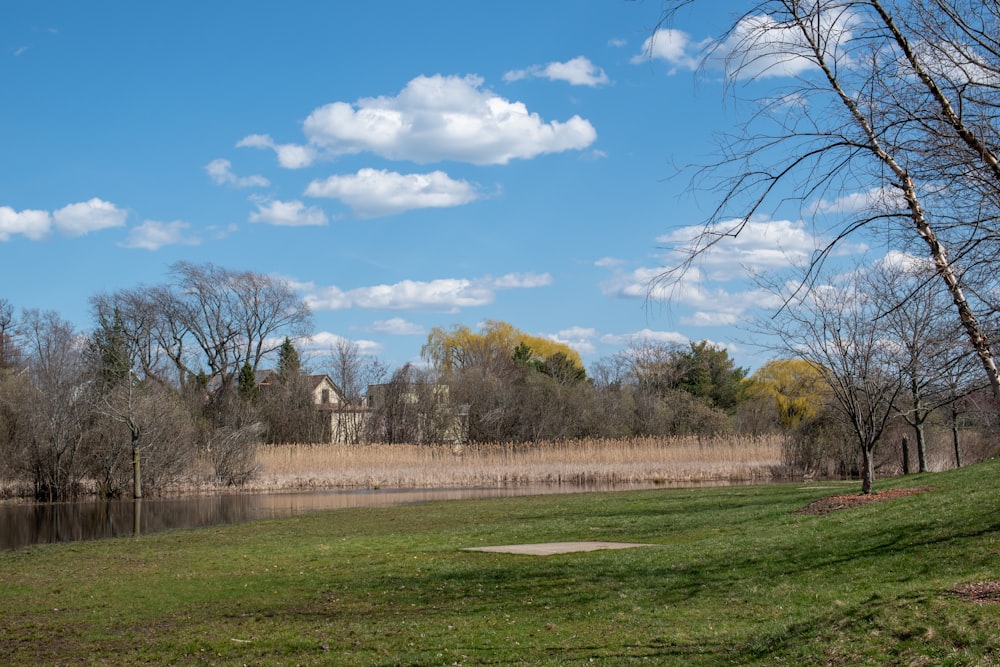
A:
(405, 165)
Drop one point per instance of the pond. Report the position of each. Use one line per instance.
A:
(23, 525)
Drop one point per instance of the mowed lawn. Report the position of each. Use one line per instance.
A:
(734, 576)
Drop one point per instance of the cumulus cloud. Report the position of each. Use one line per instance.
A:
(33, 224)
(673, 46)
(288, 214)
(71, 220)
(578, 72)
(905, 261)
(442, 295)
(89, 216)
(757, 47)
(377, 192)
(153, 235)
(761, 245)
(714, 291)
(438, 118)
(875, 199)
(290, 156)
(221, 172)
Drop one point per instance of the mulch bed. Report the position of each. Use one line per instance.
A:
(834, 503)
(983, 592)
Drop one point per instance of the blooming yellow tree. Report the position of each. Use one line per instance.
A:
(795, 387)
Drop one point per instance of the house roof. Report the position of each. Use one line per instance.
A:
(269, 375)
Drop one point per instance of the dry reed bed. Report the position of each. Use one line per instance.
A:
(640, 460)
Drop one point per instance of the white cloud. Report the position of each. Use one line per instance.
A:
(290, 156)
(221, 172)
(442, 295)
(442, 118)
(288, 214)
(153, 235)
(757, 47)
(578, 72)
(33, 224)
(397, 326)
(761, 245)
(377, 192)
(324, 341)
(608, 262)
(580, 339)
(89, 216)
(875, 199)
(904, 261)
(673, 46)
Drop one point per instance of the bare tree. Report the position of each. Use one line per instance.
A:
(10, 354)
(58, 404)
(207, 321)
(353, 372)
(916, 318)
(233, 317)
(876, 108)
(835, 328)
(149, 413)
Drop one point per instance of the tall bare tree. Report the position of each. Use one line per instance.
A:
(206, 319)
(234, 317)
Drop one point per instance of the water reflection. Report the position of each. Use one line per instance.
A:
(24, 525)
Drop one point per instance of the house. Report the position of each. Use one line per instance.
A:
(389, 412)
(342, 422)
(325, 391)
(416, 413)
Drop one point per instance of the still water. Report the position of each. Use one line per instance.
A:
(38, 523)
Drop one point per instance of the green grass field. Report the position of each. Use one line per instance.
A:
(735, 577)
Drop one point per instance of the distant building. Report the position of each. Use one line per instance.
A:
(413, 412)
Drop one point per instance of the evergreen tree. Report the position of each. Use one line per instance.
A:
(247, 382)
(109, 350)
(289, 363)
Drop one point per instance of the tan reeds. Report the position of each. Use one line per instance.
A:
(587, 462)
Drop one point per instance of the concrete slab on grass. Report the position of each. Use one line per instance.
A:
(550, 548)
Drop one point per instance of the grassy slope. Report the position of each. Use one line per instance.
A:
(736, 579)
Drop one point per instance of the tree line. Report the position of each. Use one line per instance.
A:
(184, 379)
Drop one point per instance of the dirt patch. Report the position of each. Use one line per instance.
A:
(834, 503)
(983, 592)
(549, 548)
